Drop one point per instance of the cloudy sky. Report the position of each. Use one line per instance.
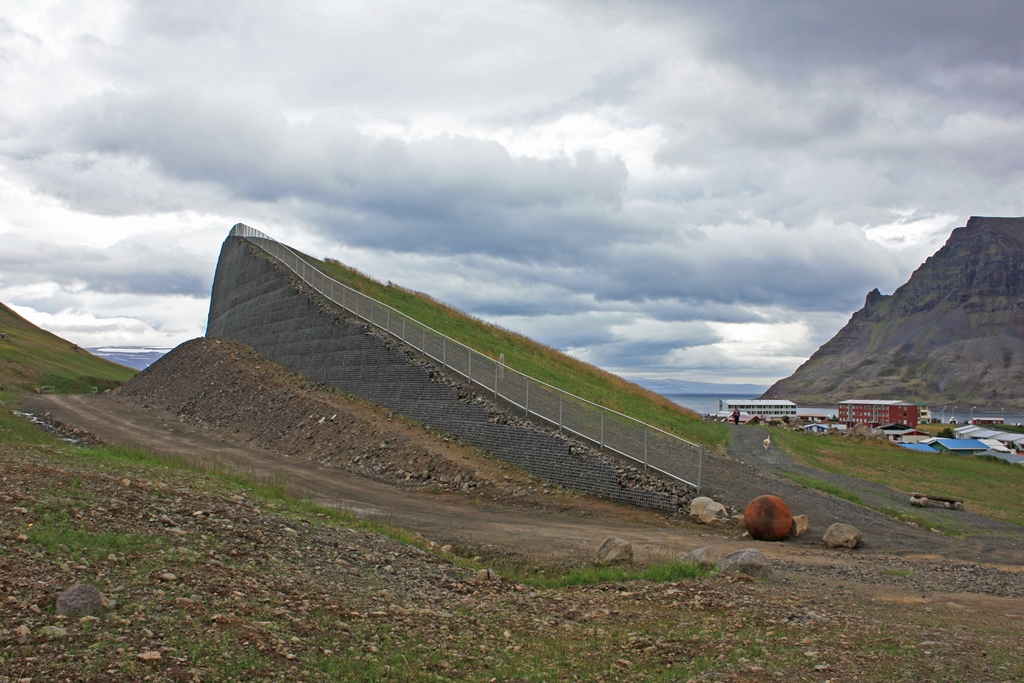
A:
(696, 189)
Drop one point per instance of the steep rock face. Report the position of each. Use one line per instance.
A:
(953, 333)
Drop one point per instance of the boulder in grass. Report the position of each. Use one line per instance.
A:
(614, 551)
(842, 536)
(768, 518)
(84, 600)
(746, 561)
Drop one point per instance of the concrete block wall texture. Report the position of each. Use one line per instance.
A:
(258, 301)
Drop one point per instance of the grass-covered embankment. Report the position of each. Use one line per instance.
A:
(31, 358)
(992, 488)
(532, 358)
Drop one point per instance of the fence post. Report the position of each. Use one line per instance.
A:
(403, 328)
(444, 352)
(700, 464)
(387, 325)
(495, 380)
(469, 368)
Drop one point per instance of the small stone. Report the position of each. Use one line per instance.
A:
(706, 557)
(746, 561)
(707, 511)
(799, 525)
(485, 575)
(842, 536)
(149, 656)
(83, 599)
(168, 576)
(53, 631)
(446, 549)
(23, 632)
(126, 482)
(146, 633)
(614, 551)
(112, 557)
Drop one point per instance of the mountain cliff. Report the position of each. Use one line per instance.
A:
(954, 333)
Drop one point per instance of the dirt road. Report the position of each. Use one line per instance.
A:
(557, 537)
(558, 534)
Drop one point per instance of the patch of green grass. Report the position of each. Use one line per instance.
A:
(987, 487)
(83, 543)
(822, 485)
(31, 357)
(588, 575)
(898, 572)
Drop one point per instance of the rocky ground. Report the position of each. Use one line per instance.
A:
(220, 582)
(218, 577)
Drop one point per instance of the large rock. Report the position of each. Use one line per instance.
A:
(706, 557)
(746, 561)
(799, 525)
(614, 551)
(83, 600)
(768, 518)
(707, 511)
(842, 536)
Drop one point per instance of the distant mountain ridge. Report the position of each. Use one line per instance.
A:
(683, 386)
(953, 334)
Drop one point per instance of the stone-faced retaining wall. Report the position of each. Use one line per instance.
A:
(258, 301)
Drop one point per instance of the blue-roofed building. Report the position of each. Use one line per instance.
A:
(921, 447)
(959, 446)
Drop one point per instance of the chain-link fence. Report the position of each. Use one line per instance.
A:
(654, 448)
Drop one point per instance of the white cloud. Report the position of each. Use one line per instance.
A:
(698, 189)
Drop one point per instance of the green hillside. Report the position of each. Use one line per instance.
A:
(532, 358)
(31, 358)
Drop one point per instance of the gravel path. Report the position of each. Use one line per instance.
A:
(753, 470)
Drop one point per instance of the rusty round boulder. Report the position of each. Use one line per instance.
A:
(768, 518)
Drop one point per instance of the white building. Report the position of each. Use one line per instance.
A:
(766, 409)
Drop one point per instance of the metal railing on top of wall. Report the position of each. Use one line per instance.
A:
(645, 444)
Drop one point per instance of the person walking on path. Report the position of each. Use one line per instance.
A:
(735, 416)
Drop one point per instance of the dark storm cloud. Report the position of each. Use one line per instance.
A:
(921, 42)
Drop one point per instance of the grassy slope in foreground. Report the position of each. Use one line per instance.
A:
(987, 487)
(31, 358)
(534, 359)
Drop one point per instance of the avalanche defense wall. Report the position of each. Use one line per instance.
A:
(257, 301)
